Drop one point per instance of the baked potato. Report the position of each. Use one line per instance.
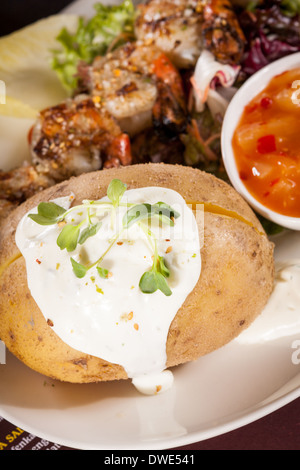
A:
(234, 286)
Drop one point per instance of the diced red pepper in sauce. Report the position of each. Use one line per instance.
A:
(275, 181)
(266, 102)
(243, 176)
(266, 144)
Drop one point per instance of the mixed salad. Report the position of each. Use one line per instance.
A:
(271, 29)
(135, 84)
(110, 26)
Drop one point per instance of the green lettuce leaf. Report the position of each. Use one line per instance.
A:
(92, 38)
(291, 7)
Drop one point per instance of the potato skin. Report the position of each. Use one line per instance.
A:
(235, 282)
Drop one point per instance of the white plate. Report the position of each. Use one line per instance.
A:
(225, 390)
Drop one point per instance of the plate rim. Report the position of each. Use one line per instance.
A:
(243, 418)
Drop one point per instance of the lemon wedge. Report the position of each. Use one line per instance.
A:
(18, 109)
(14, 148)
(25, 69)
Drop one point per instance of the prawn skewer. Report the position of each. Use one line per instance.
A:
(89, 132)
(130, 90)
(173, 27)
(184, 28)
(140, 87)
(221, 31)
(74, 137)
(169, 110)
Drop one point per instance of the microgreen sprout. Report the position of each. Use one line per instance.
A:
(49, 213)
(155, 279)
(71, 234)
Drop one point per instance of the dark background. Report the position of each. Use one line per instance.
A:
(277, 431)
(14, 14)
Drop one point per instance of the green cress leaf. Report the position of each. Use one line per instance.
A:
(88, 232)
(142, 211)
(162, 268)
(79, 270)
(164, 219)
(151, 281)
(42, 220)
(48, 213)
(162, 284)
(165, 209)
(68, 237)
(115, 191)
(136, 214)
(50, 210)
(102, 272)
(148, 282)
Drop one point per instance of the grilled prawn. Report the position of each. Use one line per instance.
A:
(77, 136)
(18, 185)
(140, 87)
(221, 31)
(173, 26)
(183, 28)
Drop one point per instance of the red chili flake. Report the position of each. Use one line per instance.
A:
(266, 144)
(38, 261)
(243, 176)
(266, 102)
(274, 182)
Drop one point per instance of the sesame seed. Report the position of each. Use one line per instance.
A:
(130, 316)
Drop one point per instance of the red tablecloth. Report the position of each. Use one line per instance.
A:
(277, 431)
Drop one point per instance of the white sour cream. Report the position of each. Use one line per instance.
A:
(112, 318)
(281, 316)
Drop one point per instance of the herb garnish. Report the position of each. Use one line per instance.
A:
(49, 213)
(111, 26)
(71, 235)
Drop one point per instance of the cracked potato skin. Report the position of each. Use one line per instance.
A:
(235, 283)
